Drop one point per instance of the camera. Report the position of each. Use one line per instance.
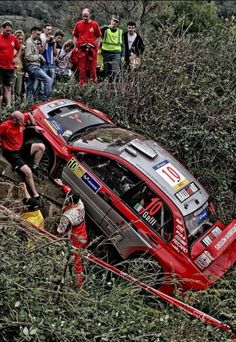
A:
(38, 41)
(51, 39)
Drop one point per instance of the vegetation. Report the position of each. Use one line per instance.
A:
(183, 96)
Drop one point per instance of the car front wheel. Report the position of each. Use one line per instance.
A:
(145, 268)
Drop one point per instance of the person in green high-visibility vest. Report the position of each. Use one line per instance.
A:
(112, 42)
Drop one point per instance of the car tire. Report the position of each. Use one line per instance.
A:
(145, 268)
(47, 160)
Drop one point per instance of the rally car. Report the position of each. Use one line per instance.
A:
(141, 198)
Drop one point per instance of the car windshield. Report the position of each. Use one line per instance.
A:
(86, 130)
(68, 120)
(198, 222)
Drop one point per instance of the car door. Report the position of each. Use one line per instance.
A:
(120, 223)
(82, 180)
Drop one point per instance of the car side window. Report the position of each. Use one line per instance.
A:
(152, 210)
(117, 177)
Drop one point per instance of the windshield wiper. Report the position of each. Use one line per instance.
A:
(83, 131)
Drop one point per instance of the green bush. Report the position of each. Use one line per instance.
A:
(36, 306)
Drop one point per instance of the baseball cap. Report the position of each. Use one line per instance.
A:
(115, 17)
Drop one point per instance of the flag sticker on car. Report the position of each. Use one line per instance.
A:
(80, 172)
(171, 175)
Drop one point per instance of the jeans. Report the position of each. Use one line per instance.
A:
(111, 61)
(49, 70)
(36, 73)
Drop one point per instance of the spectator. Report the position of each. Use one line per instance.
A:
(87, 39)
(33, 60)
(49, 51)
(8, 44)
(59, 35)
(112, 42)
(18, 87)
(133, 46)
(11, 133)
(100, 67)
(63, 61)
(73, 222)
(33, 213)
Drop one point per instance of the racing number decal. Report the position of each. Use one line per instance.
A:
(79, 171)
(154, 206)
(72, 164)
(148, 213)
(171, 175)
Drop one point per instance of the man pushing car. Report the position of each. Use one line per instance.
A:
(12, 138)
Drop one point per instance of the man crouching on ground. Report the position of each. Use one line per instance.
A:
(12, 134)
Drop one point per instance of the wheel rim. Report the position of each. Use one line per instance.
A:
(145, 268)
(45, 163)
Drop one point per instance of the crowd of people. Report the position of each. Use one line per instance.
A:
(28, 70)
(29, 67)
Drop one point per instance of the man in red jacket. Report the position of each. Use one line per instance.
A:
(12, 134)
(86, 39)
(8, 44)
(73, 223)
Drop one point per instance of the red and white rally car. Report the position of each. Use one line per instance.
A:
(146, 203)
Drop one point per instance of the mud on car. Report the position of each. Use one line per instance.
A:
(141, 198)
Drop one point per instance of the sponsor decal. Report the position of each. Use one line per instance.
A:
(179, 245)
(204, 260)
(225, 238)
(55, 126)
(91, 182)
(207, 240)
(202, 215)
(171, 175)
(80, 172)
(75, 117)
(187, 192)
(179, 241)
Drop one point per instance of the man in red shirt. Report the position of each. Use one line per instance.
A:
(87, 39)
(8, 44)
(12, 134)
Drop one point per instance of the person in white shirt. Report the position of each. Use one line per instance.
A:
(133, 47)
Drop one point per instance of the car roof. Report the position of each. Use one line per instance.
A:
(153, 161)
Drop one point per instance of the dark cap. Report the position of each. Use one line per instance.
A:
(116, 17)
(73, 197)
